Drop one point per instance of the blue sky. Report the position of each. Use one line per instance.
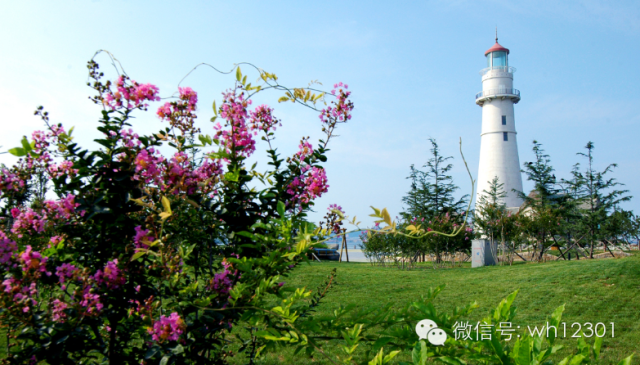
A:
(412, 67)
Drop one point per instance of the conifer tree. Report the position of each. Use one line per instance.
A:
(545, 204)
(432, 190)
(598, 196)
(494, 220)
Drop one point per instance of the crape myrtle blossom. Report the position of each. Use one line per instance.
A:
(262, 119)
(111, 276)
(30, 221)
(142, 238)
(22, 296)
(65, 271)
(239, 135)
(8, 249)
(63, 169)
(167, 328)
(311, 184)
(91, 302)
(10, 181)
(129, 96)
(129, 139)
(181, 113)
(58, 314)
(222, 281)
(149, 166)
(62, 209)
(33, 260)
(341, 111)
(181, 177)
(27, 221)
(305, 149)
(333, 218)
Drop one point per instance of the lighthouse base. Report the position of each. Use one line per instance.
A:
(482, 253)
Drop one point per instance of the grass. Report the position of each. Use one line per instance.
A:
(605, 290)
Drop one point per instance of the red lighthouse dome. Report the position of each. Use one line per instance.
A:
(496, 48)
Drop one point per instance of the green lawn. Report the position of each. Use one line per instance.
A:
(605, 290)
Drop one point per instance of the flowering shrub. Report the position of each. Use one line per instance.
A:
(155, 246)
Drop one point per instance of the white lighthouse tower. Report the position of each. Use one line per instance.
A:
(498, 146)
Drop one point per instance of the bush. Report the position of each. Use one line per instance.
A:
(155, 246)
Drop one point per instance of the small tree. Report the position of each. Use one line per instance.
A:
(494, 220)
(545, 205)
(598, 197)
(432, 190)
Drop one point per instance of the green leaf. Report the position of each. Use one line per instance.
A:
(25, 144)
(137, 255)
(215, 109)
(238, 74)
(246, 234)
(19, 152)
(555, 322)
(281, 208)
(626, 361)
(231, 176)
(165, 360)
(178, 349)
(151, 352)
(522, 351)
(576, 360)
(596, 347)
(419, 353)
(450, 360)
(166, 205)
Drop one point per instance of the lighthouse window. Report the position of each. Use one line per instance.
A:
(499, 59)
(505, 136)
(504, 120)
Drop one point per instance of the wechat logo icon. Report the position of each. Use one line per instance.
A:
(428, 329)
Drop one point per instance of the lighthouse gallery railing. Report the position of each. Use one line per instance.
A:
(508, 69)
(499, 91)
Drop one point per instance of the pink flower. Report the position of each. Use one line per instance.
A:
(167, 328)
(180, 114)
(33, 260)
(111, 276)
(341, 111)
(64, 168)
(91, 302)
(62, 209)
(239, 135)
(22, 295)
(262, 120)
(8, 250)
(27, 221)
(310, 185)
(58, 311)
(142, 236)
(10, 181)
(135, 95)
(149, 166)
(305, 150)
(223, 281)
(65, 271)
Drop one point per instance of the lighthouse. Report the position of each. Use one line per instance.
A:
(498, 145)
